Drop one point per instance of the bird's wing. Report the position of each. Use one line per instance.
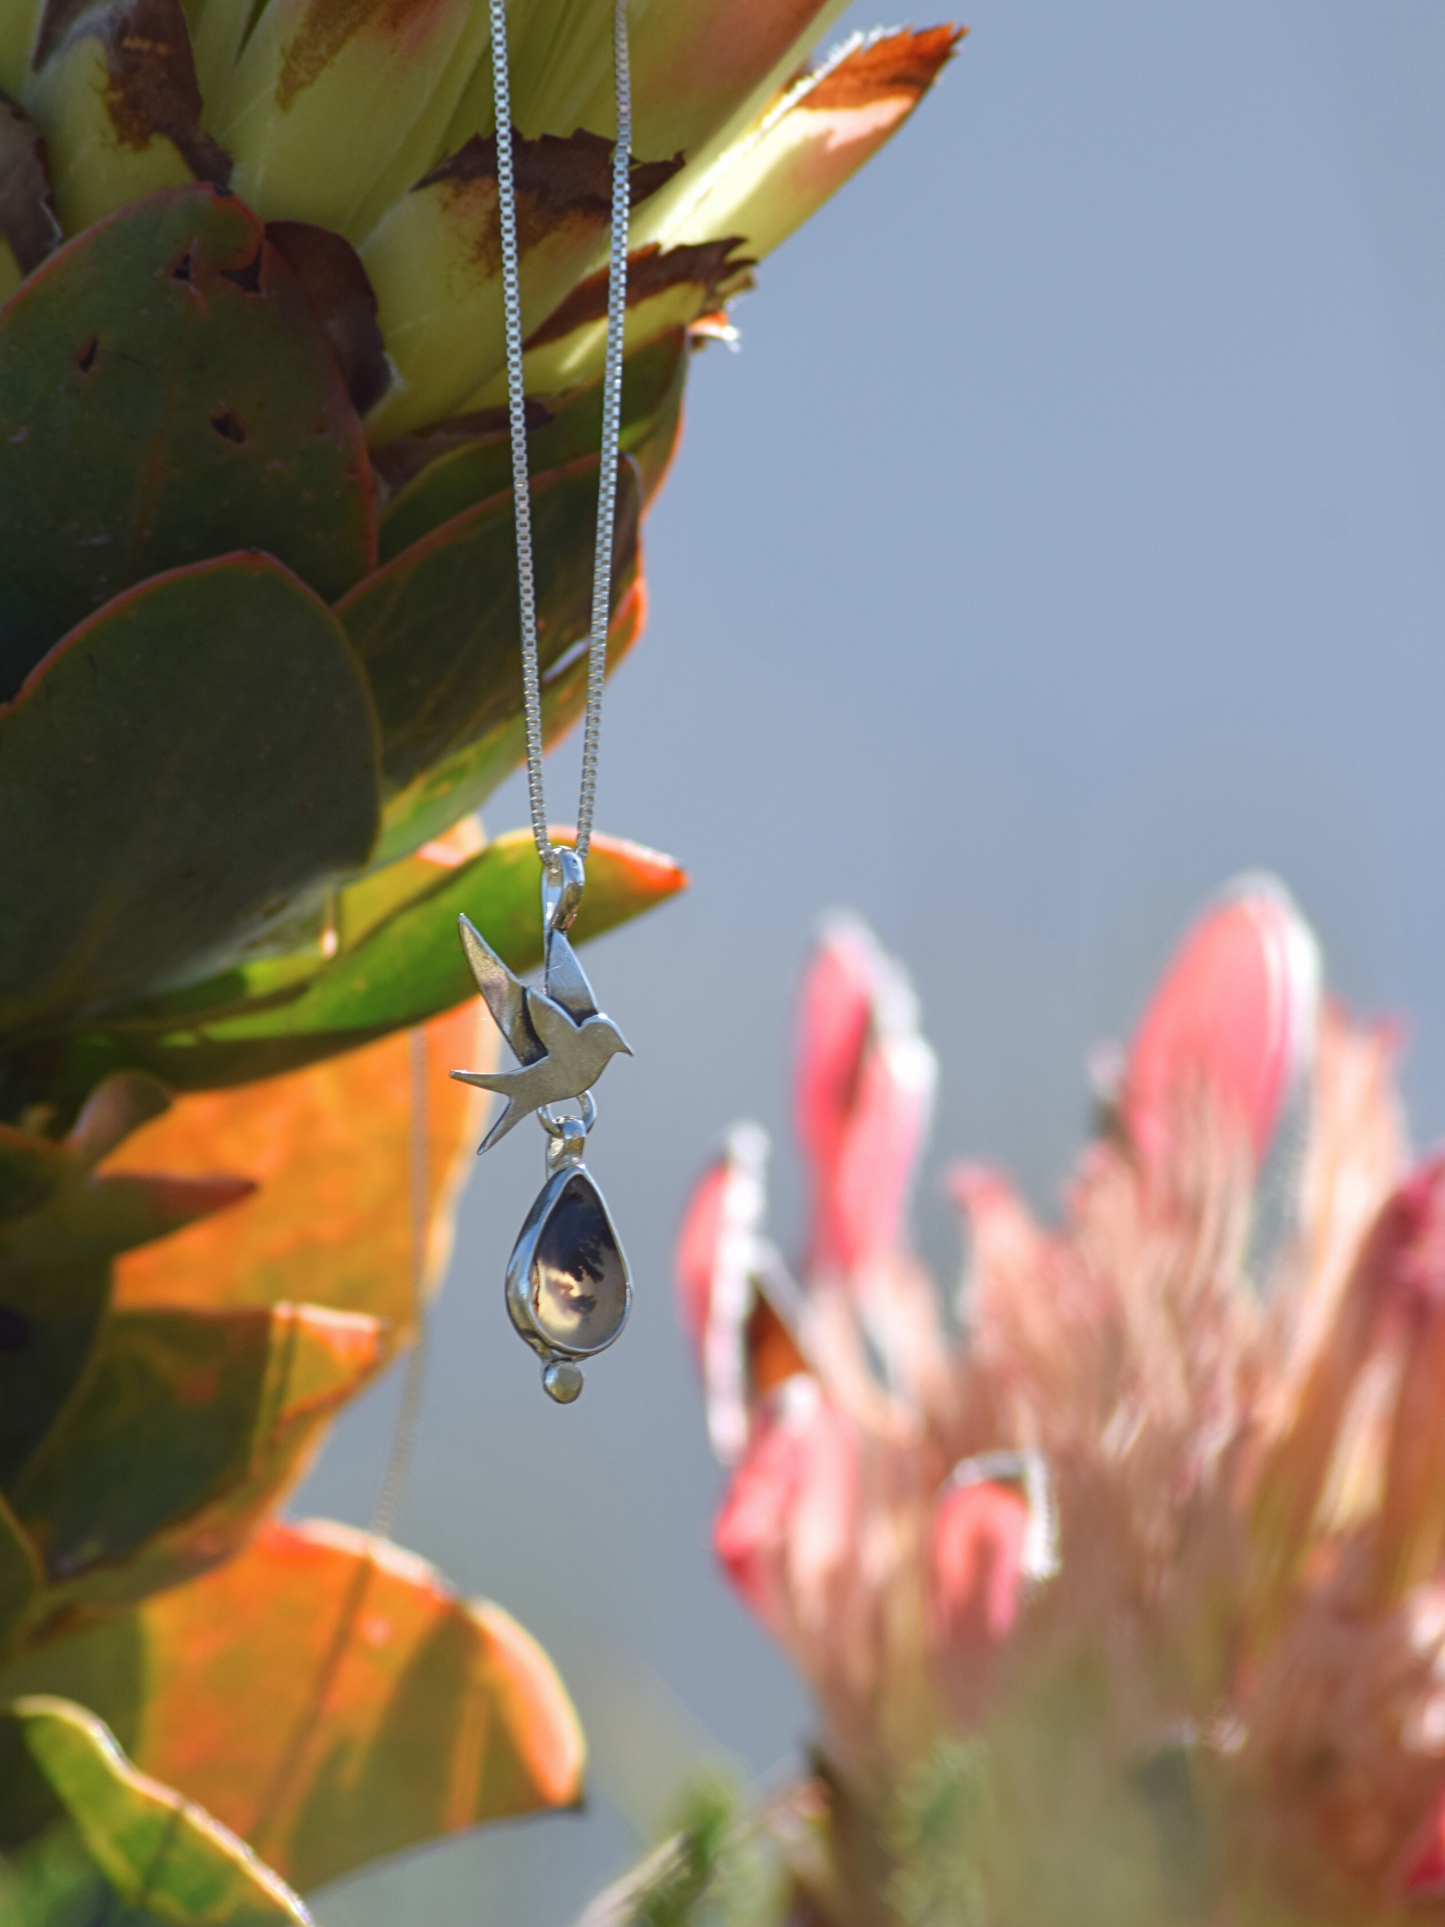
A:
(555, 1026)
(565, 981)
(505, 997)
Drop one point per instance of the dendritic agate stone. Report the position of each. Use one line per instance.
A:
(577, 1286)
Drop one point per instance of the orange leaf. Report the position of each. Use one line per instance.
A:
(331, 1149)
(327, 1697)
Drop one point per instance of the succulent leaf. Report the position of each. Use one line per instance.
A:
(406, 970)
(266, 733)
(167, 395)
(436, 630)
(156, 1851)
(457, 465)
(393, 1711)
(50, 1320)
(187, 1427)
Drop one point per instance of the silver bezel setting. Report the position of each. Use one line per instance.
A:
(519, 1270)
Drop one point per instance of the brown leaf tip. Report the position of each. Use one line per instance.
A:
(907, 62)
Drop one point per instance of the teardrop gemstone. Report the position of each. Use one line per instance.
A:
(578, 1284)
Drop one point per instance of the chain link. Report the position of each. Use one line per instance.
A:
(611, 432)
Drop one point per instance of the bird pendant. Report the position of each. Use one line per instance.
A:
(560, 1039)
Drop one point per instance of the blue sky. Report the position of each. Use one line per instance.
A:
(1066, 538)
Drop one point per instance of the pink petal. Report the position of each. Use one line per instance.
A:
(834, 1014)
(864, 1091)
(977, 1578)
(1235, 1015)
(696, 1257)
(789, 1521)
(724, 1267)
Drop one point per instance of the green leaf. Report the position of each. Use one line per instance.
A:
(408, 968)
(60, 1222)
(437, 627)
(328, 1697)
(51, 1881)
(467, 472)
(186, 1427)
(167, 394)
(157, 1850)
(192, 754)
(49, 1320)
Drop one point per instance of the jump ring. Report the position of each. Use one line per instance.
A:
(556, 1126)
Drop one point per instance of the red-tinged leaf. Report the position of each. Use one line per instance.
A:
(187, 1427)
(865, 1082)
(1232, 1024)
(158, 1852)
(267, 733)
(392, 1712)
(166, 395)
(436, 627)
(330, 1149)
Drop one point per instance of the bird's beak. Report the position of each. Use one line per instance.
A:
(623, 1045)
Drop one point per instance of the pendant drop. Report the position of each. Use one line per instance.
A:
(568, 1286)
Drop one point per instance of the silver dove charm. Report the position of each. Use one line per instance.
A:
(568, 1286)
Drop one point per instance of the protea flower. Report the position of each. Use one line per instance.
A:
(1120, 1577)
(258, 668)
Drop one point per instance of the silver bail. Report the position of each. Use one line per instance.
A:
(563, 882)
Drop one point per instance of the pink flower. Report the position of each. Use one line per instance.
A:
(1154, 1514)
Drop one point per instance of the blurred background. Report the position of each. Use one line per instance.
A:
(1065, 538)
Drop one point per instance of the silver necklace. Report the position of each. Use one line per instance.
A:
(568, 1287)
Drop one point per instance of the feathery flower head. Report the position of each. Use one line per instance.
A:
(1149, 1521)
